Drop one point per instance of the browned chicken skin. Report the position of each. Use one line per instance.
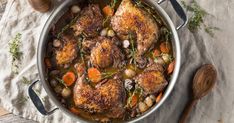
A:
(106, 98)
(106, 53)
(152, 79)
(89, 21)
(68, 52)
(132, 19)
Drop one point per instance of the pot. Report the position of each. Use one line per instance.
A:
(57, 13)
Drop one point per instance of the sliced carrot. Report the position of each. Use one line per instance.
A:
(74, 110)
(48, 63)
(108, 11)
(69, 78)
(134, 100)
(94, 75)
(165, 47)
(171, 67)
(159, 97)
(156, 53)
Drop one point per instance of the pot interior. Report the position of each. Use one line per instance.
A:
(56, 15)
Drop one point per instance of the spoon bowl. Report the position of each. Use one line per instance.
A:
(203, 82)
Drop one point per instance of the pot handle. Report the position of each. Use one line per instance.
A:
(180, 12)
(37, 101)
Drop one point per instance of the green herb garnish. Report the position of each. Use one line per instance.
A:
(15, 52)
(25, 81)
(113, 3)
(61, 82)
(133, 49)
(65, 28)
(106, 75)
(138, 92)
(197, 19)
(22, 100)
(210, 30)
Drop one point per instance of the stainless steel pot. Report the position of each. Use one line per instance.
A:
(57, 13)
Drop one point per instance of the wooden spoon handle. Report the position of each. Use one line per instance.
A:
(187, 111)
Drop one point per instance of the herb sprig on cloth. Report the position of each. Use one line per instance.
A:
(197, 19)
(15, 52)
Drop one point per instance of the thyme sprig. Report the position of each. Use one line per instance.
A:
(106, 75)
(113, 3)
(65, 28)
(25, 80)
(61, 81)
(15, 52)
(133, 49)
(197, 20)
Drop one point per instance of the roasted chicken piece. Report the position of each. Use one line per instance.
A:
(106, 98)
(68, 52)
(106, 53)
(89, 22)
(130, 19)
(152, 79)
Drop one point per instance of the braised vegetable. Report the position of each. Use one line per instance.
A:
(165, 47)
(94, 75)
(66, 92)
(108, 11)
(69, 78)
(170, 67)
(159, 97)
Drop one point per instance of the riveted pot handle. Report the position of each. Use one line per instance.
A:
(180, 12)
(37, 101)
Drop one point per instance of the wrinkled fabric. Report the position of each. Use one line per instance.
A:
(197, 49)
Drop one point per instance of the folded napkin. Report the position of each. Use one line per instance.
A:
(197, 49)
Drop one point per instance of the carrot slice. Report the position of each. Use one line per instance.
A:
(171, 67)
(69, 78)
(48, 63)
(134, 100)
(74, 110)
(165, 47)
(94, 75)
(156, 53)
(108, 11)
(158, 98)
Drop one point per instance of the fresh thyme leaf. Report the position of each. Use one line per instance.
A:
(15, 52)
(197, 18)
(106, 21)
(210, 30)
(166, 33)
(113, 3)
(106, 75)
(61, 81)
(21, 100)
(65, 28)
(25, 81)
(133, 49)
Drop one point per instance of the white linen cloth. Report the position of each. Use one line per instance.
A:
(197, 49)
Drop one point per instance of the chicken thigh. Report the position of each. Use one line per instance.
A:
(132, 19)
(106, 53)
(68, 52)
(152, 79)
(106, 98)
(89, 21)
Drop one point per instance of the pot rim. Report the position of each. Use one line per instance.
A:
(42, 46)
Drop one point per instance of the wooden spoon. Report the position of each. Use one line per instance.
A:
(40, 5)
(203, 82)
